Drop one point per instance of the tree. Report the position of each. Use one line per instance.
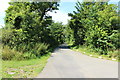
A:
(95, 24)
(30, 19)
(57, 30)
(29, 24)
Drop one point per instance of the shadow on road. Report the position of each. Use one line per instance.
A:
(62, 46)
(65, 46)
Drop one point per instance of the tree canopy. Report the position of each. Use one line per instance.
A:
(29, 25)
(95, 24)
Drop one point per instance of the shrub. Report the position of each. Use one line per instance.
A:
(37, 49)
(9, 54)
(114, 54)
(23, 51)
(7, 35)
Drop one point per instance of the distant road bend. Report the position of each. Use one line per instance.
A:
(65, 63)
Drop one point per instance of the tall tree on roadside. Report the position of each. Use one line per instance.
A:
(95, 24)
(29, 20)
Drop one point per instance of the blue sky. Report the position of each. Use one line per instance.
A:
(67, 7)
(61, 15)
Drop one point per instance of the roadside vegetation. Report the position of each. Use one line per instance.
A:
(24, 68)
(94, 26)
(113, 55)
(28, 38)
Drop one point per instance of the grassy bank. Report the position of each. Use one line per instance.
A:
(90, 52)
(23, 69)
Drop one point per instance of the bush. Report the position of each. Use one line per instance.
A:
(92, 28)
(23, 51)
(114, 54)
(37, 49)
(9, 54)
(7, 35)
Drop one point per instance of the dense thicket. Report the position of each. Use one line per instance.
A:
(94, 24)
(57, 31)
(29, 29)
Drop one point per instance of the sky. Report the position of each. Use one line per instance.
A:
(61, 15)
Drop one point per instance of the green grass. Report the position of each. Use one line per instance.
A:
(0, 68)
(92, 53)
(23, 69)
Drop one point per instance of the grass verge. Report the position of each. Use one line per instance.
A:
(92, 53)
(23, 69)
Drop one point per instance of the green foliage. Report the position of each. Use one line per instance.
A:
(7, 53)
(30, 21)
(24, 52)
(112, 55)
(57, 30)
(6, 35)
(95, 24)
(27, 29)
(69, 38)
(38, 49)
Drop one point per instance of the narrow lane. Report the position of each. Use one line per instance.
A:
(65, 63)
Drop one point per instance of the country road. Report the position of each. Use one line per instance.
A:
(65, 63)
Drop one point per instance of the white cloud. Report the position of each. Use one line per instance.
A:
(2, 25)
(112, 0)
(59, 16)
(4, 5)
(2, 15)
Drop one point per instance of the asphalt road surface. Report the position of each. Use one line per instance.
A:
(65, 63)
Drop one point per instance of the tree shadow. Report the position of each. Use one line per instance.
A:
(65, 46)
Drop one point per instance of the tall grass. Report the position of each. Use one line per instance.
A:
(9, 54)
(24, 52)
(111, 55)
